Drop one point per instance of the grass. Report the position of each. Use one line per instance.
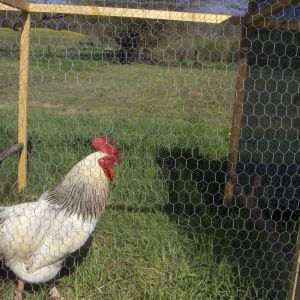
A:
(135, 96)
(43, 36)
(165, 234)
(134, 256)
(48, 43)
(137, 252)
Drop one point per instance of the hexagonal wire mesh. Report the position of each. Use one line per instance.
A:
(165, 92)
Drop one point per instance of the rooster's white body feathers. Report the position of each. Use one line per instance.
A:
(37, 237)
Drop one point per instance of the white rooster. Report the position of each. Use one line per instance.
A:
(37, 237)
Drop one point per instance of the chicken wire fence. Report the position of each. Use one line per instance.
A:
(170, 94)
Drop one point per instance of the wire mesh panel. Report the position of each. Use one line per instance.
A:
(182, 103)
(9, 71)
(269, 149)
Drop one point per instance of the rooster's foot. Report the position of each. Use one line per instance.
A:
(55, 294)
(19, 292)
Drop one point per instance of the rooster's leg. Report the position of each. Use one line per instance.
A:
(19, 292)
(55, 294)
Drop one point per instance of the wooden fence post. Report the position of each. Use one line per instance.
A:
(294, 291)
(238, 103)
(237, 117)
(23, 95)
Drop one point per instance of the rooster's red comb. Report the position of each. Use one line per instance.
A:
(106, 146)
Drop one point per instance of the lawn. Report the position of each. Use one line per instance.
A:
(165, 234)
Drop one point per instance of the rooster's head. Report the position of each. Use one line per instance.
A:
(110, 157)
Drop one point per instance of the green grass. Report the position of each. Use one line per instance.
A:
(165, 234)
(142, 91)
(43, 36)
(48, 43)
(138, 251)
(134, 256)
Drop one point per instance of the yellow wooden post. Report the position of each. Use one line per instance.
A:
(23, 95)
(238, 105)
(237, 118)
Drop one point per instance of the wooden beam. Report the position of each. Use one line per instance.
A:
(287, 25)
(18, 4)
(129, 13)
(270, 9)
(294, 291)
(118, 12)
(236, 119)
(257, 18)
(7, 8)
(23, 95)
(8, 152)
(237, 113)
(267, 23)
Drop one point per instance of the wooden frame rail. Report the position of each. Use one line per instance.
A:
(8, 152)
(294, 291)
(259, 18)
(270, 9)
(117, 12)
(7, 8)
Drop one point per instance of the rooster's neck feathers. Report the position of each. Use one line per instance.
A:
(84, 191)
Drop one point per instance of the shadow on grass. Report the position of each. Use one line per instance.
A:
(196, 190)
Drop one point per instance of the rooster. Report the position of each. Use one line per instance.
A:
(37, 237)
